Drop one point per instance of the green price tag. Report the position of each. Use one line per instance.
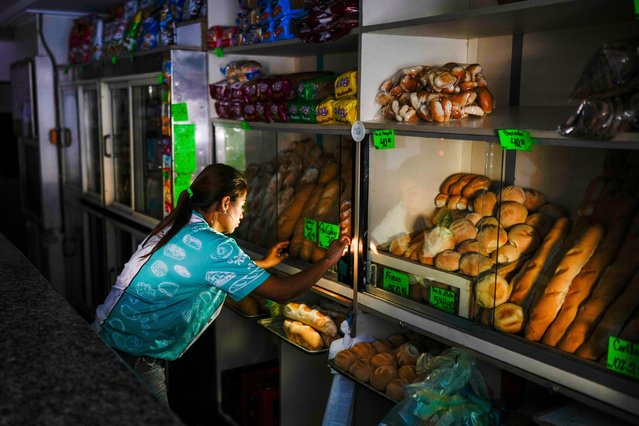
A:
(160, 78)
(513, 139)
(637, 9)
(218, 52)
(184, 155)
(623, 357)
(395, 282)
(384, 139)
(180, 184)
(442, 299)
(179, 112)
(310, 230)
(114, 60)
(328, 232)
(244, 124)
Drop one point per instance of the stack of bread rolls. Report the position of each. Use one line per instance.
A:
(308, 327)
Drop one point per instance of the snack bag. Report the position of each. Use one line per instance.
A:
(346, 84)
(167, 26)
(241, 71)
(150, 32)
(317, 88)
(131, 35)
(345, 110)
(325, 111)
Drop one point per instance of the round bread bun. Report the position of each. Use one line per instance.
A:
(511, 213)
(363, 350)
(473, 264)
(397, 339)
(555, 211)
(484, 203)
(534, 199)
(463, 229)
(395, 389)
(474, 217)
(487, 221)
(382, 346)
(512, 193)
(505, 254)
(491, 290)
(382, 376)
(382, 359)
(361, 370)
(407, 354)
(407, 372)
(472, 246)
(541, 222)
(492, 237)
(507, 317)
(437, 240)
(448, 260)
(344, 359)
(524, 237)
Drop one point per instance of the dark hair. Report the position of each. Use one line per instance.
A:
(213, 183)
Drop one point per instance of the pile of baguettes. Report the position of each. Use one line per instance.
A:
(302, 182)
(312, 328)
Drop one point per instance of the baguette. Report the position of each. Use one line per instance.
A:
(288, 218)
(582, 285)
(612, 322)
(630, 332)
(545, 310)
(312, 317)
(444, 188)
(528, 277)
(303, 335)
(591, 196)
(456, 188)
(478, 183)
(298, 233)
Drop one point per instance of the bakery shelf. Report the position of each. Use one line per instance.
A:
(276, 326)
(331, 364)
(324, 129)
(295, 47)
(564, 373)
(541, 122)
(514, 18)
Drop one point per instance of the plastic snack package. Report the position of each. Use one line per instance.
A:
(324, 112)
(346, 84)
(308, 112)
(131, 35)
(150, 32)
(294, 114)
(96, 51)
(345, 110)
(263, 110)
(220, 90)
(167, 26)
(317, 88)
(279, 112)
(250, 112)
(241, 71)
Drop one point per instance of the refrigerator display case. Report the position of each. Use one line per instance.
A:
(91, 152)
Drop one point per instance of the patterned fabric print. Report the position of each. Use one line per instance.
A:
(177, 292)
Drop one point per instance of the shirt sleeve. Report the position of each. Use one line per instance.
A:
(232, 271)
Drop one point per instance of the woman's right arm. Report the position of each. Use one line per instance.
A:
(281, 289)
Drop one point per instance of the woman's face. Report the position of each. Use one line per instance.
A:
(235, 213)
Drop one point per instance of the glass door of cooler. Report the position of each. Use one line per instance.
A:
(147, 145)
(91, 150)
(121, 143)
(71, 147)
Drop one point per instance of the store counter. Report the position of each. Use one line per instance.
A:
(54, 369)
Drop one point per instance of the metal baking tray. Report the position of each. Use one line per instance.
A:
(276, 326)
(331, 363)
(243, 315)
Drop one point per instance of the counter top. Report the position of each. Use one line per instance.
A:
(54, 369)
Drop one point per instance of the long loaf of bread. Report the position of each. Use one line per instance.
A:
(312, 317)
(303, 335)
(288, 218)
(548, 305)
(612, 322)
(581, 286)
(525, 281)
(298, 233)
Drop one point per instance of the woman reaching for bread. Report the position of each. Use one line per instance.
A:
(174, 285)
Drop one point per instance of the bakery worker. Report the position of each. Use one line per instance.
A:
(411, 213)
(174, 285)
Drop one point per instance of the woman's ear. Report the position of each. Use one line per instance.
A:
(225, 203)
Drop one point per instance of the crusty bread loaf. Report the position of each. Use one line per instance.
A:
(328, 172)
(364, 350)
(397, 339)
(384, 358)
(437, 240)
(298, 233)
(484, 203)
(361, 370)
(400, 244)
(487, 221)
(444, 188)
(463, 229)
(382, 376)
(524, 237)
(506, 317)
(382, 346)
(548, 305)
(534, 199)
(491, 290)
(407, 372)
(511, 213)
(591, 196)
(476, 184)
(541, 222)
(344, 359)
(612, 322)
(512, 193)
(630, 331)
(505, 254)
(553, 210)
(407, 354)
(448, 260)
(472, 246)
(313, 317)
(528, 277)
(456, 188)
(473, 217)
(473, 264)
(492, 237)
(303, 335)
(395, 389)
(441, 200)
(583, 283)
(288, 218)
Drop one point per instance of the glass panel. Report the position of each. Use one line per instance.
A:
(121, 145)
(147, 142)
(91, 140)
(72, 168)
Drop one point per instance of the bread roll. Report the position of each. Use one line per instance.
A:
(444, 188)
(448, 260)
(437, 240)
(583, 283)
(312, 317)
(506, 317)
(473, 217)
(591, 196)
(382, 346)
(407, 372)
(524, 237)
(529, 276)
(505, 254)
(407, 354)
(484, 203)
(555, 211)
(463, 229)
(363, 350)
(491, 290)
(511, 213)
(541, 222)
(453, 200)
(476, 184)
(612, 322)
(382, 376)
(487, 221)
(344, 359)
(472, 246)
(303, 335)
(395, 389)
(441, 200)
(400, 244)
(361, 370)
(492, 237)
(456, 188)
(397, 339)
(288, 218)
(512, 193)
(473, 264)
(328, 172)
(545, 310)
(384, 358)
(534, 199)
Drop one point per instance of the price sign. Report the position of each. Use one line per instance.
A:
(513, 139)
(179, 112)
(384, 139)
(244, 125)
(328, 232)
(442, 299)
(395, 282)
(310, 230)
(623, 357)
(218, 52)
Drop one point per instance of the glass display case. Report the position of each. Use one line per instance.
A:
(91, 153)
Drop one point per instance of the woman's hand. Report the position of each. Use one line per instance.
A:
(274, 255)
(337, 249)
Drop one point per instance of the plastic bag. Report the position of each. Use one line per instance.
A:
(453, 393)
